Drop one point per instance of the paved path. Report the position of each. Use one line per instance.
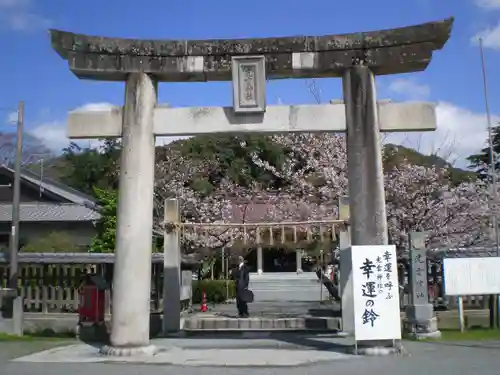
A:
(13, 349)
(323, 354)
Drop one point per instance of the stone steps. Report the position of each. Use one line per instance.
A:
(291, 295)
(283, 276)
(286, 287)
(287, 283)
(217, 323)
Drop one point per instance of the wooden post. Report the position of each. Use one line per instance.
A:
(45, 299)
(461, 315)
(298, 260)
(260, 268)
(222, 263)
(171, 269)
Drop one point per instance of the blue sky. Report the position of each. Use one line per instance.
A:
(31, 71)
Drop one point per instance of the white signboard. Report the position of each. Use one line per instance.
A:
(375, 293)
(471, 276)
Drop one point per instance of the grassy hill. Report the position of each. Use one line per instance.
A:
(395, 154)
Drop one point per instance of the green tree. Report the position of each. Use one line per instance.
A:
(104, 241)
(87, 168)
(482, 161)
(231, 157)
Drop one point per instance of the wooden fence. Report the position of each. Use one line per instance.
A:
(49, 283)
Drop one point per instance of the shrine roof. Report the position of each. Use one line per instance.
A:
(398, 50)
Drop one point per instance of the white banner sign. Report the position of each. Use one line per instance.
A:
(375, 293)
(471, 276)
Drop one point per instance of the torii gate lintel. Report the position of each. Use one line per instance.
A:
(392, 117)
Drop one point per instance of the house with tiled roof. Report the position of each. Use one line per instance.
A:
(46, 206)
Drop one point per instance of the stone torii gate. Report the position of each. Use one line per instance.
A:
(357, 58)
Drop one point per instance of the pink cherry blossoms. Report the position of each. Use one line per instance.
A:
(315, 170)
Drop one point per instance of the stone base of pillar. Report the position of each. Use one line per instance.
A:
(260, 272)
(113, 351)
(420, 322)
(421, 330)
(378, 348)
(299, 271)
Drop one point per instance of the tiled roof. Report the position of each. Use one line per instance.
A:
(36, 212)
(275, 209)
(62, 190)
(248, 213)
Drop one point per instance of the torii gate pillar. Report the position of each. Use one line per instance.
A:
(368, 218)
(354, 57)
(132, 270)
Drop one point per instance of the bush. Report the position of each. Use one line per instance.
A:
(53, 242)
(215, 290)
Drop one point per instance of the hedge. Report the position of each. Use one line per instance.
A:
(215, 290)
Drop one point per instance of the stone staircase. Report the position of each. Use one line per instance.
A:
(212, 323)
(287, 286)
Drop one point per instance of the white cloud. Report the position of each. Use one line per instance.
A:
(409, 88)
(90, 107)
(488, 4)
(52, 134)
(12, 117)
(490, 36)
(460, 133)
(163, 141)
(18, 15)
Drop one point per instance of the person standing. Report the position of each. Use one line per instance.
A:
(242, 277)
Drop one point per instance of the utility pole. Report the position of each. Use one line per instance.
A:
(493, 181)
(14, 233)
(494, 300)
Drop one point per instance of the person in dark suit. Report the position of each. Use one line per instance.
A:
(242, 278)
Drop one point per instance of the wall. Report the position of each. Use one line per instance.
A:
(81, 232)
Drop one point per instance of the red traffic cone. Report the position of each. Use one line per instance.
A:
(204, 307)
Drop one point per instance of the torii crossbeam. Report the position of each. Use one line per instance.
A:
(175, 122)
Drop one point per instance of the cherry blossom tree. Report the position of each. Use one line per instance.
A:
(175, 174)
(316, 172)
(313, 176)
(418, 198)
